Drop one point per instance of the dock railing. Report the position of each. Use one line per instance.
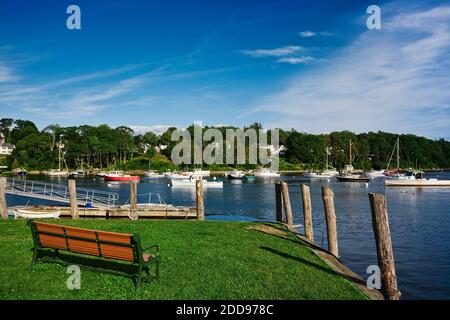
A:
(60, 193)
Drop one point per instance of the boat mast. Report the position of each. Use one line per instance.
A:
(350, 151)
(326, 164)
(398, 154)
(59, 156)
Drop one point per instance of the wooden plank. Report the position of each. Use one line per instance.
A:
(330, 216)
(73, 199)
(385, 253)
(307, 212)
(278, 202)
(199, 200)
(3, 205)
(287, 203)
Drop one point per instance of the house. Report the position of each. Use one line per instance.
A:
(5, 148)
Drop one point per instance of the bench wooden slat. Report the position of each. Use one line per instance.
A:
(104, 244)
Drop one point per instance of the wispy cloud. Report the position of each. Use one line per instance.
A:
(307, 34)
(295, 60)
(277, 52)
(392, 79)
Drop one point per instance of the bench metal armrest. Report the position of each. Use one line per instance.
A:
(152, 246)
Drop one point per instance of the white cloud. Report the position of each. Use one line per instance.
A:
(307, 34)
(394, 79)
(277, 52)
(157, 128)
(295, 60)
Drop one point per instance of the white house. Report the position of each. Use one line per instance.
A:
(5, 148)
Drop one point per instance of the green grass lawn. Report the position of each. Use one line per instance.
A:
(200, 260)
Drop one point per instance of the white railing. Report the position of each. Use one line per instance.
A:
(60, 193)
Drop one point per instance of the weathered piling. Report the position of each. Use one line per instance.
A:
(307, 212)
(278, 202)
(383, 242)
(287, 203)
(199, 200)
(73, 198)
(3, 206)
(133, 195)
(330, 216)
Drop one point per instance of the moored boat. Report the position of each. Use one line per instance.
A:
(415, 178)
(375, 174)
(153, 175)
(56, 173)
(266, 173)
(191, 182)
(31, 213)
(351, 177)
(235, 174)
(120, 176)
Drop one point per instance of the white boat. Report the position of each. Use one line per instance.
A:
(266, 173)
(235, 174)
(101, 174)
(201, 173)
(191, 182)
(375, 174)
(153, 175)
(56, 173)
(326, 174)
(414, 178)
(36, 213)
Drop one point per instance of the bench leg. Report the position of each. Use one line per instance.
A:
(34, 259)
(157, 270)
(139, 277)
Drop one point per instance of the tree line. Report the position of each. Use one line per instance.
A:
(105, 147)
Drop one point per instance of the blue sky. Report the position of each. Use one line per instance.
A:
(309, 65)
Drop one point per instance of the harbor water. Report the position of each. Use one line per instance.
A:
(419, 220)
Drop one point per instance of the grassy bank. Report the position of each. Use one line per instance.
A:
(200, 260)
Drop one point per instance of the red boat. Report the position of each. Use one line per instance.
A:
(119, 176)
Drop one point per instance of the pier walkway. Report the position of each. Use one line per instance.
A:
(60, 193)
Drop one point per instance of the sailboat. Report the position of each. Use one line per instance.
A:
(392, 173)
(325, 174)
(348, 175)
(57, 172)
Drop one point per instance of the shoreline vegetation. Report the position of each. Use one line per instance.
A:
(200, 259)
(105, 148)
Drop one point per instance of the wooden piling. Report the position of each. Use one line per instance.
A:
(133, 195)
(199, 199)
(383, 242)
(330, 217)
(287, 203)
(3, 206)
(278, 202)
(307, 212)
(73, 199)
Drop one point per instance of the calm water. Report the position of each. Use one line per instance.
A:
(419, 221)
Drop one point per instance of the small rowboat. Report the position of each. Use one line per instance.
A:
(36, 213)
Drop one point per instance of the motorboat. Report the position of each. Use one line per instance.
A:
(77, 173)
(120, 176)
(235, 174)
(326, 174)
(352, 177)
(191, 182)
(153, 175)
(375, 174)
(415, 178)
(174, 175)
(201, 173)
(266, 173)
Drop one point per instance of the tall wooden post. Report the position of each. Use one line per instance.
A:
(133, 194)
(330, 216)
(383, 242)
(307, 212)
(287, 203)
(278, 202)
(199, 199)
(3, 206)
(73, 198)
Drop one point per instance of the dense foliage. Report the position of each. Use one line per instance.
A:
(105, 147)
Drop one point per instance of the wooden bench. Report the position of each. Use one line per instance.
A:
(49, 239)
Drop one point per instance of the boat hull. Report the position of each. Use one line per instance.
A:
(353, 179)
(131, 178)
(417, 183)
